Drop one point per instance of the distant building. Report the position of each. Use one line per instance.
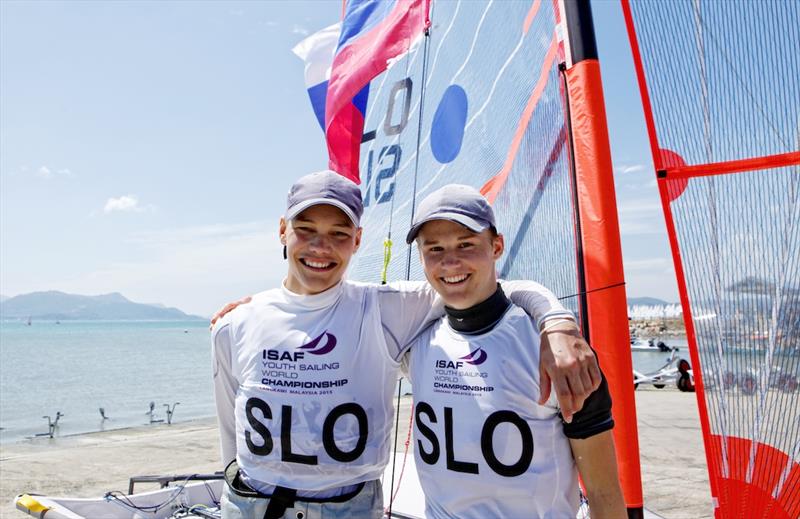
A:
(655, 311)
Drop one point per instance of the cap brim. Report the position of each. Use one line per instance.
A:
(468, 222)
(299, 208)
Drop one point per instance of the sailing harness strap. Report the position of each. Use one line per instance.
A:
(282, 498)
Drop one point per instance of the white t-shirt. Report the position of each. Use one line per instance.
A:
(303, 384)
(484, 447)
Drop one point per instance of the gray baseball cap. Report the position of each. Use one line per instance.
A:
(457, 203)
(325, 187)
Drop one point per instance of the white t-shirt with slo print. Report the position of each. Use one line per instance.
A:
(484, 447)
(303, 384)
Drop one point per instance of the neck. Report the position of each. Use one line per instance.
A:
(479, 318)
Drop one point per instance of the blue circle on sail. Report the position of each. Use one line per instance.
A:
(447, 129)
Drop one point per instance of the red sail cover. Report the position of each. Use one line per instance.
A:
(719, 83)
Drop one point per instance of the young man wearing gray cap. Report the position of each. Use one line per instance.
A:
(485, 448)
(303, 375)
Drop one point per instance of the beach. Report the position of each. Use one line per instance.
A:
(674, 473)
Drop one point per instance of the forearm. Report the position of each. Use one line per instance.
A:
(225, 387)
(597, 465)
(227, 426)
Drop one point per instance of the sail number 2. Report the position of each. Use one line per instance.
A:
(384, 163)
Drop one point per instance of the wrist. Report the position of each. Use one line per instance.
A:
(559, 324)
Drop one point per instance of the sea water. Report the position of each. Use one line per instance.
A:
(77, 367)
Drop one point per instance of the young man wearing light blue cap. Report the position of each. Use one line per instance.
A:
(485, 448)
(304, 374)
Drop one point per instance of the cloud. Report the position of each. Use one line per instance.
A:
(48, 173)
(126, 203)
(197, 269)
(641, 217)
(625, 169)
(649, 264)
(270, 23)
(201, 233)
(300, 30)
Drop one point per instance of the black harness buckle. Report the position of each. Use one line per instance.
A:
(281, 499)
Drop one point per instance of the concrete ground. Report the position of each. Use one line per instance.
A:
(674, 474)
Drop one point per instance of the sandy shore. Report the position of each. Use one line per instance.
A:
(673, 463)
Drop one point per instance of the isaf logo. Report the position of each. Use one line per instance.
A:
(314, 347)
(473, 358)
(323, 344)
(476, 358)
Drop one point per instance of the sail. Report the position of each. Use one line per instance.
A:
(495, 97)
(719, 82)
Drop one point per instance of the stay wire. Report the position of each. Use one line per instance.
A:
(584, 293)
(425, 56)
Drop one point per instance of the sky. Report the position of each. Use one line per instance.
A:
(146, 147)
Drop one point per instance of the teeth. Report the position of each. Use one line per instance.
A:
(317, 264)
(455, 279)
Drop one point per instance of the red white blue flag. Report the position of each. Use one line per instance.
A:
(317, 51)
(373, 33)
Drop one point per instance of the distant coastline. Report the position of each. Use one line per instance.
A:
(59, 306)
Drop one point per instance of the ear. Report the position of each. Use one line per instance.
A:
(358, 240)
(498, 246)
(282, 230)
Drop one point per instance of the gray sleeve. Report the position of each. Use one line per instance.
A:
(225, 387)
(406, 308)
(537, 301)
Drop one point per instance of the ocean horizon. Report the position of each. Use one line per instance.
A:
(78, 367)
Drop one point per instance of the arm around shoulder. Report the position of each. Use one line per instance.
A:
(537, 301)
(406, 308)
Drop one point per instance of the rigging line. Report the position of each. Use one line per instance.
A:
(415, 159)
(413, 109)
(736, 74)
(405, 453)
(394, 451)
(452, 80)
(581, 271)
(423, 89)
(387, 243)
(711, 197)
(703, 78)
(425, 55)
(584, 293)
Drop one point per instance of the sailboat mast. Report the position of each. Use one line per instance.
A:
(601, 280)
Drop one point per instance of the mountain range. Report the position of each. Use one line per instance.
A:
(647, 301)
(54, 305)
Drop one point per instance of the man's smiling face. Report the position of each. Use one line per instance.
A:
(319, 244)
(459, 263)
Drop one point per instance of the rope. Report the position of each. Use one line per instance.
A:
(583, 293)
(425, 56)
(394, 492)
(387, 257)
(405, 456)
